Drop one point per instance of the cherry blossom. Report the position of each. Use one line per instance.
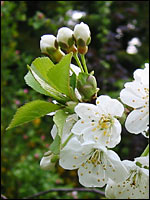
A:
(136, 95)
(98, 122)
(95, 163)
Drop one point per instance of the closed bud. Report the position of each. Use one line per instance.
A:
(65, 39)
(82, 37)
(48, 42)
(87, 87)
(48, 161)
(49, 46)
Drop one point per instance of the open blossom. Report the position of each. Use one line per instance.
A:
(98, 122)
(136, 95)
(136, 186)
(96, 164)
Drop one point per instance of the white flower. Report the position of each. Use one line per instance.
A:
(136, 186)
(65, 36)
(98, 122)
(82, 32)
(46, 162)
(143, 160)
(70, 120)
(136, 95)
(47, 41)
(95, 163)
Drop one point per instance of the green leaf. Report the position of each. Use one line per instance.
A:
(42, 65)
(31, 111)
(43, 83)
(58, 76)
(73, 81)
(55, 146)
(30, 80)
(59, 119)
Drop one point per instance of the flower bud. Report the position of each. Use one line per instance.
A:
(87, 86)
(48, 161)
(82, 37)
(49, 46)
(47, 42)
(65, 39)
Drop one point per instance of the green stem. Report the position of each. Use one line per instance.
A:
(66, 141)
(146, 151)
(84, 63)
(78, 61)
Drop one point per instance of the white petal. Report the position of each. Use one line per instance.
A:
(76, 69)
(115, 135)
(79, 126)
(132, 94)
(116, 170)
(86, 111)
(142, 75)
(74, 154)
(54, 131)
(71, 119)
(102, 103)
(107, 105)
(144, 160)
(92, 176)
(137, 121)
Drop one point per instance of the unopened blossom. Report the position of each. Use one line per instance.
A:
(136, 186)
(98, 122)
(136, 95)
(65, 39)
(47, 41)
(82, 32)
(95, 163)
(82, 36)
(49, 46)
(46, 161)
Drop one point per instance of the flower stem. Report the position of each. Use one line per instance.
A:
(146, 151)
(78, 61)
(84, 63)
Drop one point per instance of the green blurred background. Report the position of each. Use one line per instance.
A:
(120, 38)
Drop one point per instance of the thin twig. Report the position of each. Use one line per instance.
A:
(3, 197)
(67, 190)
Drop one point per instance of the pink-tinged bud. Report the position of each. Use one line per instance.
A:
(36, 155)
(42, 137)
(25, 91)
(47, 145)
(17, 52)
(25, 137)
(17, 102)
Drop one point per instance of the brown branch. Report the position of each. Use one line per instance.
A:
(67, 190)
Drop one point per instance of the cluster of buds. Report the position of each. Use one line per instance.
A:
(67, 40)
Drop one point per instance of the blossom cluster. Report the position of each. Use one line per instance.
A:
(87, 126)
(67, 40)
(93, 129)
